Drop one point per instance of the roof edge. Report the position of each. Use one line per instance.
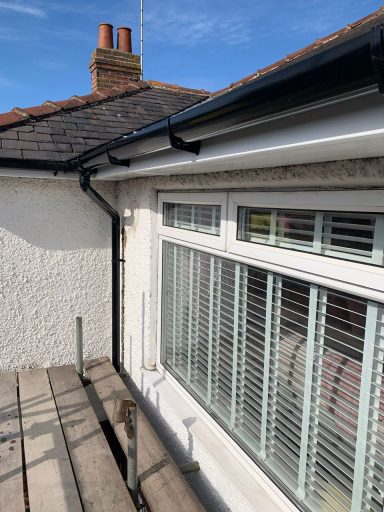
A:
(342, 70)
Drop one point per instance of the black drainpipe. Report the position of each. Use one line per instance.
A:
(85, 184)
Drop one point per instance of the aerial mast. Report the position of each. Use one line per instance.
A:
(142, 37)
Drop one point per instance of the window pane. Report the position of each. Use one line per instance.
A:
(241, 340)
(352, 236)
(192, 217)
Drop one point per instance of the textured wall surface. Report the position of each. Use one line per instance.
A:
(138, 204)
(54, 266)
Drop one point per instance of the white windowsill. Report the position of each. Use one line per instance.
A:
(256, 487)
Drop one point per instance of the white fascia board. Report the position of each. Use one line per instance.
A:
(350, 130)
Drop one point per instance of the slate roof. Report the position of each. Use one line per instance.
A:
(59, 131)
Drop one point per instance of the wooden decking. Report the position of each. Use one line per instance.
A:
(55, 457)
(162, 485)
(53, 453)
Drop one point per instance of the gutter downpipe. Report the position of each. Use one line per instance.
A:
(85, 184)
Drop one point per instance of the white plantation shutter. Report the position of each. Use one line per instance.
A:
(292, 371)
(351, 236)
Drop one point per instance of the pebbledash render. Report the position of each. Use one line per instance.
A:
(250, 258)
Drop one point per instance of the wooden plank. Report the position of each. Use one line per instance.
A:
(101, 486)
(162, 484)
(51, 483)
(11, 463)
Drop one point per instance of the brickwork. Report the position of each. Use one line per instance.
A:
(110, 67)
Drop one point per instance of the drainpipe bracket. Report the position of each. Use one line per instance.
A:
(182, 145)
(377, 55)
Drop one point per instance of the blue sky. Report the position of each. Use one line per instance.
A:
(46, 45)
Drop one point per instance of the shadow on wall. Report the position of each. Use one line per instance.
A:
(200, 485)
(54, 215)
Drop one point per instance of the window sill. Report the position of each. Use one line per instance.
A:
(252, 483)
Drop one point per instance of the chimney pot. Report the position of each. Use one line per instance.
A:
(124, 39)
(114, 67)
(105, 36)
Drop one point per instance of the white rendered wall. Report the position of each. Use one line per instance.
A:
(242, 490)
(54, 266)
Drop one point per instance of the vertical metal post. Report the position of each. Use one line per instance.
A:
(79, 346)
(142, 38)
(132, 454)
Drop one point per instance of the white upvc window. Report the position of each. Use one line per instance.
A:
(274, 322)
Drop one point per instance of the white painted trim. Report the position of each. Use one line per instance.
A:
(370, 285)
(346, 275)
(334, 200)
(353, 129)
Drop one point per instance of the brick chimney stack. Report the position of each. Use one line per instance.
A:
(111, 66)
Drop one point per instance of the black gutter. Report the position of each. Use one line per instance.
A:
(85, 184)
(353, 65)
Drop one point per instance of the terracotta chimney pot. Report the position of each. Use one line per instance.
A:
(105, 36)
(124, 39)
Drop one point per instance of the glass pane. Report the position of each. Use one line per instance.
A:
(217, 315)
(351, 236)
(339, 349)
(350, 231)
(193, 217)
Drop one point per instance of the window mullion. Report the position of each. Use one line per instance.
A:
(318, 232)
(313, 295)
(193, 211)
(235, 343)
(267, 363)
(364, 406)
(272, 228)
(378, 241)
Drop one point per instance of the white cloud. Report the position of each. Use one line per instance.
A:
(191, 26)
(23, 8)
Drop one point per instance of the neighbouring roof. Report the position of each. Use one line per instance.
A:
(61, 130)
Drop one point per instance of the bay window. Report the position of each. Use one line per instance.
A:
(283, 348)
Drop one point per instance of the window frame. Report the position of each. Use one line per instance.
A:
(199, 238)
(350, 276)
(360, 279)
